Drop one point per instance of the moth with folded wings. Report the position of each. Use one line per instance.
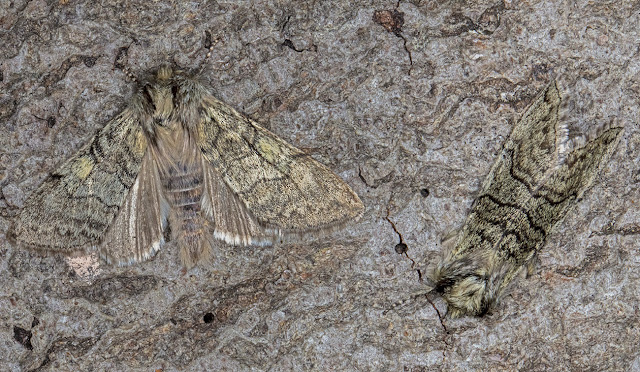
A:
(531, 187)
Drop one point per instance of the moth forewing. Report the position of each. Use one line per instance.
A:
(178, 156)
(74, 207)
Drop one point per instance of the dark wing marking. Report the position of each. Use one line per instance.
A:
(74, 207)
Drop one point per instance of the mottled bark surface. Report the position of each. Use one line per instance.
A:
(408, 104)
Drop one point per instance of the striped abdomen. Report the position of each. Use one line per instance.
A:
(183, 189)
(180, 166)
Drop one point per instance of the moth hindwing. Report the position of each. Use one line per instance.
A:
(178, 156)
(528, 191)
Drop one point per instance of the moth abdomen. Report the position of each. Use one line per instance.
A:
(190, 228)
(183, 182)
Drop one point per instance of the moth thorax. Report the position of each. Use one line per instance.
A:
(162, 100)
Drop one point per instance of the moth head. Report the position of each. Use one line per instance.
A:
(158, 94)
(469, 295)
(170, 97)
(469, 285)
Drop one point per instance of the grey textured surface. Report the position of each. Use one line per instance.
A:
(329, 79)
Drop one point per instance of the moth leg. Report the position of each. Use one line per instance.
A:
(532, 264)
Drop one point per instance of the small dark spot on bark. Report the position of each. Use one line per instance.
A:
(424, 192)
(90, 61)
(1, 75)
(401, 248)
(23, 337)
(208, 318)
(51, 121)
(35, 322)
(289, 44)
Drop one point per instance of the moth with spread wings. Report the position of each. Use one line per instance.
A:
(178, 156)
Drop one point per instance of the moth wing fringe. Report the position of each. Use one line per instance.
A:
(232, 222)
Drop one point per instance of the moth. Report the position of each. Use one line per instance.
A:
(179, 159)
(530, 188)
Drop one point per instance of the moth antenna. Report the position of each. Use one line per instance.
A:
(209, 43)
(121, 64)
(416, 299)
(129, 74)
